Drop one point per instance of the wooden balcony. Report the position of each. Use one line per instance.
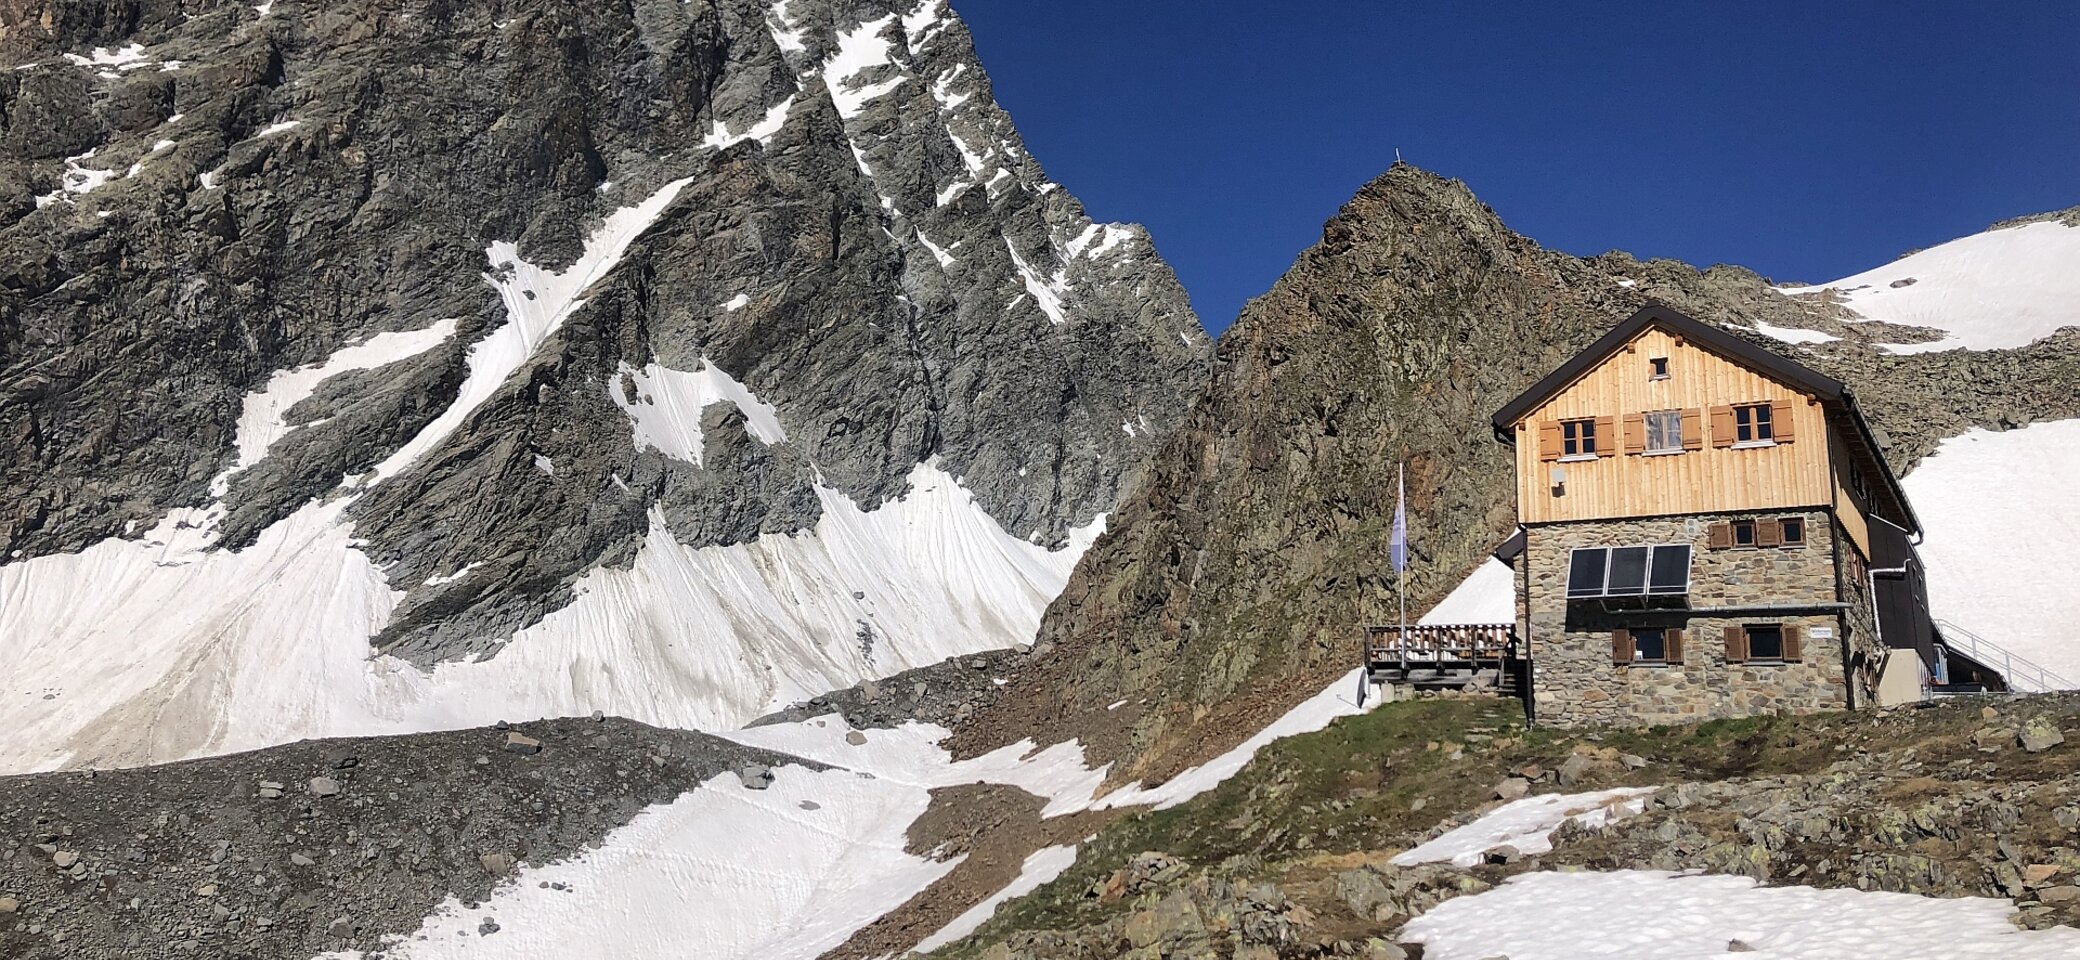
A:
(1458, 656)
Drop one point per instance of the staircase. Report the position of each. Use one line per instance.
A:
(2022, 676)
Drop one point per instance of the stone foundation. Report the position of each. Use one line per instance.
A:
(1576, 683)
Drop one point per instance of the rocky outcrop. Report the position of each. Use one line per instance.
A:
(325, 845)
(201, 200)
(1237, 576)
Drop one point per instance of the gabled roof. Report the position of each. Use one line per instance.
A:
(1829, 391)
(1703, 334)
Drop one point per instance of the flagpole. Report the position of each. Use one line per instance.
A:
(1401, 575)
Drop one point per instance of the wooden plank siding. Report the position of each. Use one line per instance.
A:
(1848, 507)
(1711, 479)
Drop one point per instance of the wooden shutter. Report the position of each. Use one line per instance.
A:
(1606, 436)
(1635, 433)
(1794, 647)
(1736, 644)
(1721, 536)
(1549, 440)
(1674, 641)
(1780, 421)
(1621, 646)
(1768, 533)
(1722, 426)
(1693, 429)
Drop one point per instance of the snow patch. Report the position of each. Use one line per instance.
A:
(537, 303)
(77, 180)
(1488, 595)
(762, 131)
(2002, 531)
(261, 421)
(1527, 825)
(736, 303)
(664, 406)
(1040, 868)
(1658, 915)
(130, 56)
(457, 575)
(1315, 713)
(787, 35)
(945, 259)
(281, 127)
(923, 24)
(860, 49)
(1046, 292)
(1793, 334)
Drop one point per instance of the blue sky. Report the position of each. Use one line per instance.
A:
(1808, 141)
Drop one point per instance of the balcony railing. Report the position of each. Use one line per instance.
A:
(1387, 643)
(2021, 675)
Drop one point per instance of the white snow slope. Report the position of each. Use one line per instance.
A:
(2003, 530)
(2000, 288)
(1654, 915)
(161, 648)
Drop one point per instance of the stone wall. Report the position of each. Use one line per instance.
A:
(1575, 681)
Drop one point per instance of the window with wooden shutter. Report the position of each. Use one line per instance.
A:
(1549, 440)
(1794, 643)
(1736, 644)
(1674, 639)
(1635, 433)
(1768, 534)
(1722, 426)
(1721, 536)
(1606, 430)
(1693, 429)
(1621, 647)
(1780, 421)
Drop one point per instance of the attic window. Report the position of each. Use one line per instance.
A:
(1657, 368)
(1578, 438)
(1752, 424)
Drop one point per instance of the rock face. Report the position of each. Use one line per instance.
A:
(511, 295)
(1237, 576)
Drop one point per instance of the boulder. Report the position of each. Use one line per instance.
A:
(517, 742)
(755, 776)
(2040, 735)
(856, 738)
(1513, 788)
(324, 787)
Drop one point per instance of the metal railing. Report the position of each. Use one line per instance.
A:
(2021, 675)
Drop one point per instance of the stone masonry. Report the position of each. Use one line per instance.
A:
(1576, 683)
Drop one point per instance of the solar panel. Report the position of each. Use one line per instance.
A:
(1671, 570)
(1585, 572)
(1628, 577)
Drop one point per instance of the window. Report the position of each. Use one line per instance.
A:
(1665, 431)
(1658, 368)
(1765, 641)
(1744, 533)
(1578, 438)
(1751, 424)
(1650, 644)
(1791, 531)
(1597, 572)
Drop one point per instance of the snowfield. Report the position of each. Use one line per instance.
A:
(2001, 288)
(729, 873)
(2003, 528)
(1655, 915)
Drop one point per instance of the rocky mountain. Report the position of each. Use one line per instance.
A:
(407, 365)
(1236, 578)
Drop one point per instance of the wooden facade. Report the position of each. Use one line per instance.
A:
(1711, 472)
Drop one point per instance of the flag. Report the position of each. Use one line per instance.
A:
(1399, 548)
